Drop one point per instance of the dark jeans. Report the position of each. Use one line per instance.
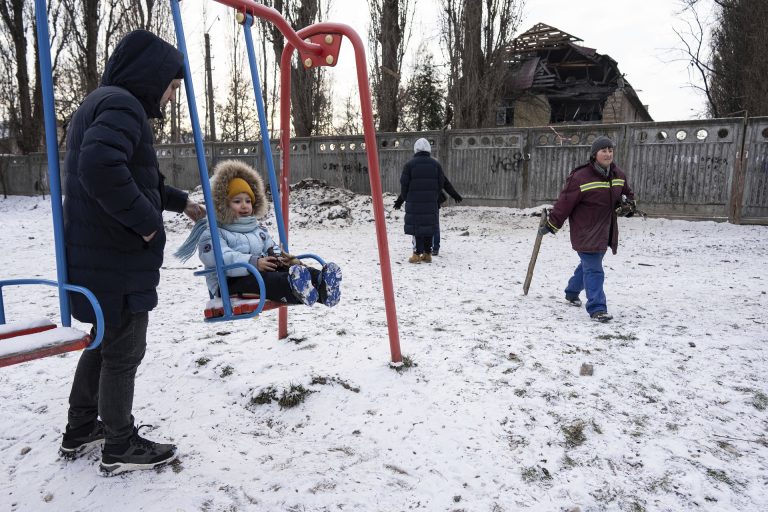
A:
(105, 377)
(277, 285)
(422, 244)
(589, 276)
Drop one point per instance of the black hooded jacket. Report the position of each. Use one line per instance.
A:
(420, 185)
(114, 191)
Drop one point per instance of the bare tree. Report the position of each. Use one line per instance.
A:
(94, 27)
(351, 118)
(237, 116)
(475, 36)
(388, 37)
(26, 109)
(310, 90)
(151, 15)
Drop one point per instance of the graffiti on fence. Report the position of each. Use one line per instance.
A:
(506, 163)
(709, 163)
(356, 167)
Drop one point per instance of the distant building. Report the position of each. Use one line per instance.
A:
(554, 80)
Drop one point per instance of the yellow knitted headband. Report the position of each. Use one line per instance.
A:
(238, 186)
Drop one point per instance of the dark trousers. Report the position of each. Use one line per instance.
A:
(277, 285)
(105, 377)
(589, 276)
(422, 244)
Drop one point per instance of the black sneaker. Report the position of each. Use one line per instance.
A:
(573, 301)
(77, 441)
(602, 317)
(136, 453)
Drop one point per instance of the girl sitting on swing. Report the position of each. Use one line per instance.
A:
(239, 200)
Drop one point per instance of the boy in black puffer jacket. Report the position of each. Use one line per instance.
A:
(114, 236)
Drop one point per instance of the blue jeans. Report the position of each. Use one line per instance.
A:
(105, 377)
(589, 276)
(436, 239)
(422, 244)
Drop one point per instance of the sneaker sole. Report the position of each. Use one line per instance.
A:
(73, 453)
(331, 276)
(120, 467)
(301, 285)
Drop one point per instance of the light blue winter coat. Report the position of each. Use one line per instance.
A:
(235, 248)
(244, 236)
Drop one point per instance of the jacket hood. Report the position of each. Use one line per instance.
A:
(422, 145)
(223, 173)
(144, 65)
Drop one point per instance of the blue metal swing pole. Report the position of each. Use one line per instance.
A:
(201, 163)
(276, 192)
(51, 138)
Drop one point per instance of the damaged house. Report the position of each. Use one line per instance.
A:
(554, 80)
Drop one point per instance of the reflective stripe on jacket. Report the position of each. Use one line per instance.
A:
(588, 201)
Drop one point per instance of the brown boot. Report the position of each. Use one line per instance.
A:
(426, 257)
(415, 258)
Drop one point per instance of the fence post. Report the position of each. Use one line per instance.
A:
(735, 204)
(525, 188)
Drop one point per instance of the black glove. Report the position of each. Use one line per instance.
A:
(458, 198)
(545, 230)
(627, 208)
(398, 203)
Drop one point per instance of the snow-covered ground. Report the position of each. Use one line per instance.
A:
(492, 415)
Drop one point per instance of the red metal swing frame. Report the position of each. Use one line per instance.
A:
(319, 45)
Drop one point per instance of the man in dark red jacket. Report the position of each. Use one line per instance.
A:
(589, 199)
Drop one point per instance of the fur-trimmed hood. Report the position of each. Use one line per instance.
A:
(223, 173)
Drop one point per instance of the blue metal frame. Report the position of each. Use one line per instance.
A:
(276, 192)
(66, 287)
(203, 166)
(221, 269)
(54, 182)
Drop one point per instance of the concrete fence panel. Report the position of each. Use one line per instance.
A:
(712, 169)
(755, 197)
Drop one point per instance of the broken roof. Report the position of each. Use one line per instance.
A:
(546, 60)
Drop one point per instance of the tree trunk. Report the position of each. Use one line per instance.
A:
(391, 38)
(24, 124)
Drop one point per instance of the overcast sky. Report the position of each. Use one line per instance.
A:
(641, 40)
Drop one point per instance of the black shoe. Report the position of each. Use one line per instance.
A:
(77, 441)
(573, 301)
(136, 453)
(602, 317)
(435, 252)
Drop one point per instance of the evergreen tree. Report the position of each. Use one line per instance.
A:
(424, 108)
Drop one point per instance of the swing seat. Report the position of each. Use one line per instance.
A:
(27, 340)
(242, 304)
